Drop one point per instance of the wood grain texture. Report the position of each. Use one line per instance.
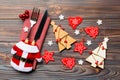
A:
(90, 10)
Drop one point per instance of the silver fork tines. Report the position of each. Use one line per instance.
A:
(34, 16)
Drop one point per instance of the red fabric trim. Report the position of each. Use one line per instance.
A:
(19, 52)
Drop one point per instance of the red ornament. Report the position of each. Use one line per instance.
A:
(24, 16)
(103, 48)
(79, 47)
(90, 52)
(48, 56)
(65, 41)
(96, 62)
(101, 63)
(74, 21)
(26, 12)
(58, 40)
(92, 31)
(69, 62)
(55, 30)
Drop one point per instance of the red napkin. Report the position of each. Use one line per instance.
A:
(34, 30)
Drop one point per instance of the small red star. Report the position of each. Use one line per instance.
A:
(79, 47)
(48, 56)
(69, 62)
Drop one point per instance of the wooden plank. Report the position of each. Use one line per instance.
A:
(86, 9)
(107, 10)
(10, 29)
(51, 72)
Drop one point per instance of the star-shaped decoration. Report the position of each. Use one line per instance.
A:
(106, 39)
(77, 32)
(79, 47)
(50, 43)
(99, 22)
(48, 56)
(88, 42)
(25, 29)
(69, 62)
(80, 62)
(61, 17)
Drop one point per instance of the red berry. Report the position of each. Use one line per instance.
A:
(55, 30)
(58, 40)
(20, 15)
(26, 12)
(65, 41)
(101, 63)
(26, 15)
(103, 48)
(23, 15)
(90, 52)
(23, 18)
(96, 62)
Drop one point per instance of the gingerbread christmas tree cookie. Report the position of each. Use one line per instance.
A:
(62, 38)
(98, 55)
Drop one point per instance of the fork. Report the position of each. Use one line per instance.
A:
(34, 16)
(33, 21)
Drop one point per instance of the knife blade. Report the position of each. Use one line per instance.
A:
(41, 25)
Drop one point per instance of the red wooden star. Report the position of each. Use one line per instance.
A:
(48, 56)
(79, 47)
(69, 62)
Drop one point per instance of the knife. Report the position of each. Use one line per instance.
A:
(40, 28)
(38, 33)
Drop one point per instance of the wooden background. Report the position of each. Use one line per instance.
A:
(90, 10)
